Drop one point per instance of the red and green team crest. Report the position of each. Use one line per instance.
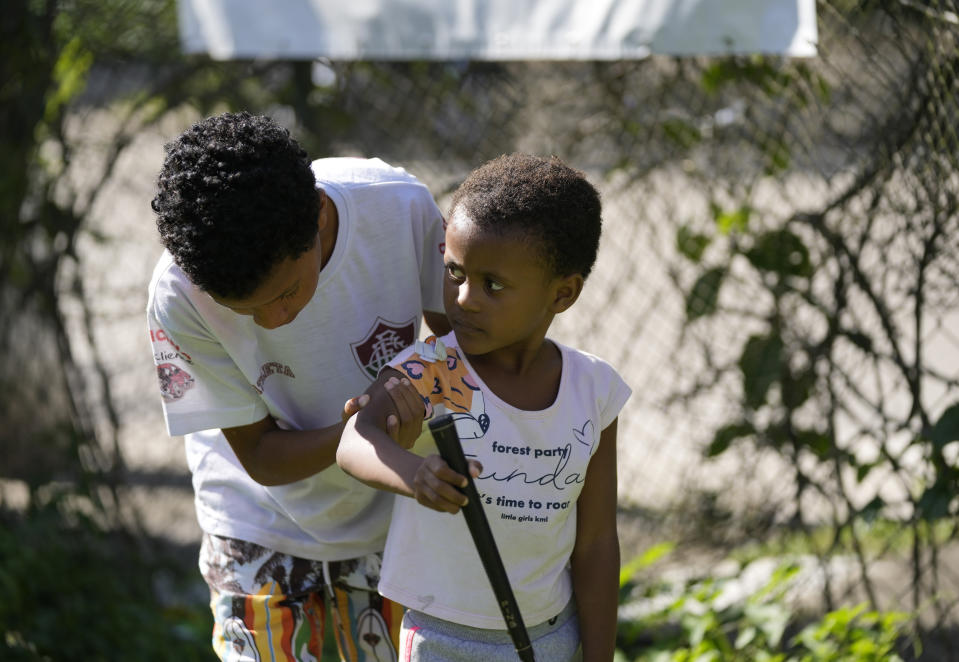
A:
(382, 343)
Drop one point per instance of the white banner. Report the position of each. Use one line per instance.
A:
(495, 29)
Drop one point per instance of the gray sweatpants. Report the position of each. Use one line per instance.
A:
(424, 638)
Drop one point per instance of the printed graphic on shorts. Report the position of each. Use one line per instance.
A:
(174, 381)
(237, 566)
(272, 368)
(269, 626)
(373, 636)
(240, 640)
(384, 340)
(165, 349)
(271, 606)
(448, 383)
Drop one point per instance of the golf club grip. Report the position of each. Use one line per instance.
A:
(447, 441)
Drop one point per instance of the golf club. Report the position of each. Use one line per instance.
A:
(447, 441)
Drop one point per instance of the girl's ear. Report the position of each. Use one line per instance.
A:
(566, 291)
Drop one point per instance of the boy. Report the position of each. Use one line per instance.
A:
(538, 419)
(285, 286)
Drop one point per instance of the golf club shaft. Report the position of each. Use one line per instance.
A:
(448, 443)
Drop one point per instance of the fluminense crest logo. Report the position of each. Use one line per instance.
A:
(382, 343)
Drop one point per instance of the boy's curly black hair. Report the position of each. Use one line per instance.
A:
(548, 202)
(235, 197)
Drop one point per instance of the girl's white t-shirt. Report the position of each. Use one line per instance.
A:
(534, 466)
(218, 369)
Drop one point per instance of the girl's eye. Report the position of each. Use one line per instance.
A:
(454, 272)
(288, 295)
(493, 286)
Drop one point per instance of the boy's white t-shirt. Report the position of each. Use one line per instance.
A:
(534, 466)
(218, 369)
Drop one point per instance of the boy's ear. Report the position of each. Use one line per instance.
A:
(567, 291)
(323, 217)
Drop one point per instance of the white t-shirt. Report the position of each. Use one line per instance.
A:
(219, 369)
(534, 466)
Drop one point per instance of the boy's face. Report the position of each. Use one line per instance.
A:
(284, 293)
(496, 291)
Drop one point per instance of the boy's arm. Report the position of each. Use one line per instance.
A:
(274, 456)
(367, 453)
(595, 558)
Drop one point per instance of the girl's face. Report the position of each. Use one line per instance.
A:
(496, 292)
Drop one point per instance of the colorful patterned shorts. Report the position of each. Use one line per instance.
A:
(272, 607)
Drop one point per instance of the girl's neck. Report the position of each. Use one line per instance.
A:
(526, 378)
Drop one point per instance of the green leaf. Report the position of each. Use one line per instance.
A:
(726, 435)
(714, 76)
(681, 132)
(823, 89)
(782, 252)
(864, 469)
(871, 511)
(798, 388)
(756, 70)
(817, 442)
(777, 155)
(732, 221)
(864, 648)
(698, 626)
(644, 560)
(761, 364)
(746, 636)
(934, 502)
(946, 429)
(691, 244)
(704, 297)
(771, 618)
(70, 75)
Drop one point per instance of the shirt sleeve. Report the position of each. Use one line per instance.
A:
(200, 385)
(617, 392)
(439, 376)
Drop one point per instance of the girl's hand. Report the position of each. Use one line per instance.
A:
(436, 485)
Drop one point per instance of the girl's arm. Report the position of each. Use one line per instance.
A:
(367, 453)
(595, 558)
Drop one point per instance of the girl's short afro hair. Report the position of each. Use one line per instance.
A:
(543, 199)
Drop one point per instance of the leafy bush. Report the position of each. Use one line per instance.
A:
(701, 621)
(74, 591)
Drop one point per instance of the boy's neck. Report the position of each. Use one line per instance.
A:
(526, 378)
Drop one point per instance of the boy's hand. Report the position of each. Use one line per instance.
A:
(405, 426)
(435, 484)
